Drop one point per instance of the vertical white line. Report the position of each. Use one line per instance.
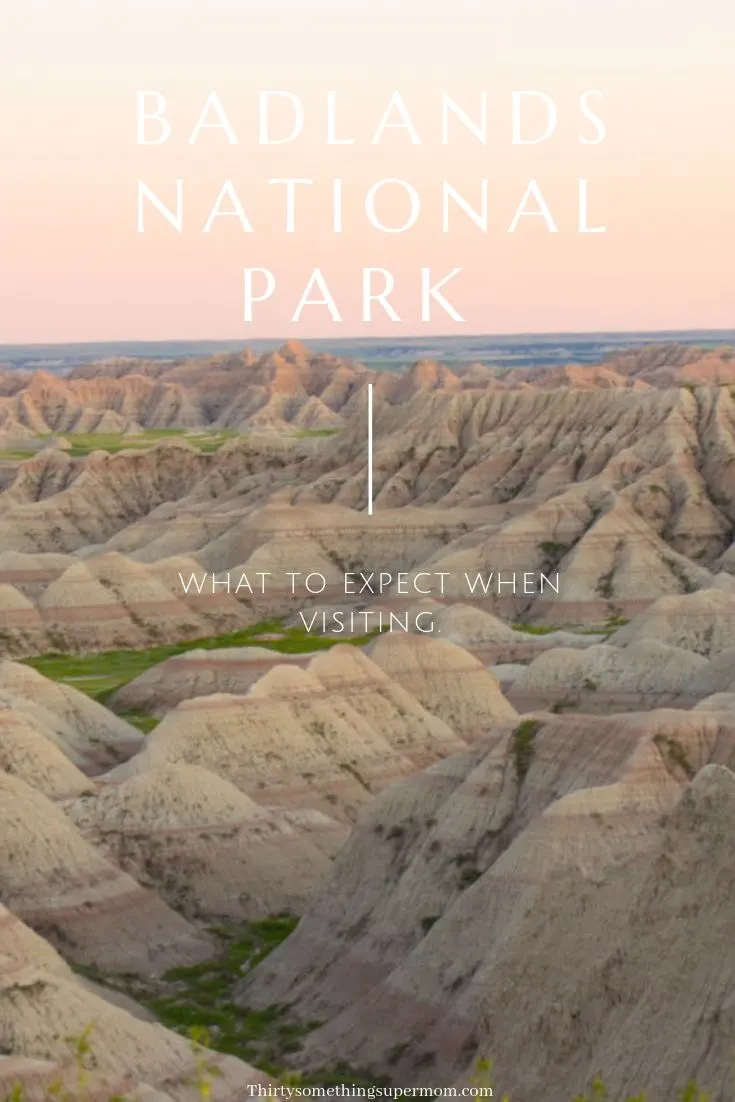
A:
(370, 449)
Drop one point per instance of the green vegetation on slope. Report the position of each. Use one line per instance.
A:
(199, 1000)
(534, 629)
(100, 675)
(202, 996)
(606, 628)
(313, 434)
(523, 740)
(81, 1062)
(83, 443)
(206, 440)
(142, 720)
(74, 1081)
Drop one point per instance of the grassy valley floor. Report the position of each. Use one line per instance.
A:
(79, 445)
(198, 1002)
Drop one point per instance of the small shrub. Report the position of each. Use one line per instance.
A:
(605, 585)
(523, 740)
(598, 1092)
(675, 753)
(396, 1052)
(559, 705)
(467, 858)
(692, 1093)
(553, 550)
(678, 571)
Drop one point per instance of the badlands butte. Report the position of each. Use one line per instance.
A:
(373, 858)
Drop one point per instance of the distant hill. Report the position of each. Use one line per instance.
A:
(503, 351)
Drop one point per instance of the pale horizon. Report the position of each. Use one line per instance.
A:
(402, 337)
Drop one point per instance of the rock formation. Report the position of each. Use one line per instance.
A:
(435, 939)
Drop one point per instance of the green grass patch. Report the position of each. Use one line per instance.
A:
(605, 628)
(84, 443)
(141, 720)
(534, 629)
(96, 685)
(310, 434)
(100, 675)
(202, 998)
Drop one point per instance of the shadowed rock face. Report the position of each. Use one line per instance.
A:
(611, 1001)
(422, 950)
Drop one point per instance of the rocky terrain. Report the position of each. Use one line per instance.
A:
(625, 492)
(507, 837)
(537, 906)
(293, 387)
(232, 809)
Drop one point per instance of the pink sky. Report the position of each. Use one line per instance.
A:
(73, 267)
